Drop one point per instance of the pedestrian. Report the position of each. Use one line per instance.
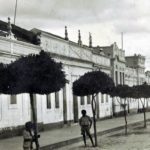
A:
(85, 123)
(27, 137)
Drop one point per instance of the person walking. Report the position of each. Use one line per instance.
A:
(85, 123)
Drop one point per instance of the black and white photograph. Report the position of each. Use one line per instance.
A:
(74, 75)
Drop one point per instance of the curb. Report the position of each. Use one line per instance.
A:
(78, 139)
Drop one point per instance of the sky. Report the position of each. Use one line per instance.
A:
(105, 19)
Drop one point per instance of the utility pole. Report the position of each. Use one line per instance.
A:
(15, 12)
(122, 40)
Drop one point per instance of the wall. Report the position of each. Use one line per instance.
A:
(13, 115)
(76, 60)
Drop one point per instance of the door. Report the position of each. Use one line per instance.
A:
(64, 105)
(75, 108)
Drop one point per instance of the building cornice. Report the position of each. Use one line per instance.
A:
(54, 55)
(69, 58)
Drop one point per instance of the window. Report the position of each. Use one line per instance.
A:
(102, 98)
(88, 99)
(82, 100)
(121, 101)
(116, 67)
(116, 75)
(57, 99)
(120, 78)
(64, 98)
(107, 98)
(48, 100)
(13, 99)
(123, 77)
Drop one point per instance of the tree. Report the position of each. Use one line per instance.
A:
(124, 92)
(3, 78)
(35, 74)
(92, 83)
(142, 91)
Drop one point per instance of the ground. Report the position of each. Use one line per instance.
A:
(138, 138)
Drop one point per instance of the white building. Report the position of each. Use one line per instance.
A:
(137, 62)
(77, 59)
(57, 108)
(14, 110)
(117, 57)
(126, 70)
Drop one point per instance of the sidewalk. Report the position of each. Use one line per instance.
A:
(67, 135)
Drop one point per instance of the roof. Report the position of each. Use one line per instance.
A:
(20, 33)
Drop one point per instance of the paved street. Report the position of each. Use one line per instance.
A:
(66, 134)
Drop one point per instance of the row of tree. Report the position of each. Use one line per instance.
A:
(92, 83)
(140, 93)
(40, 74)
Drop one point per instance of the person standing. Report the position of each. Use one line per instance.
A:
(27, 137)
(85, 123)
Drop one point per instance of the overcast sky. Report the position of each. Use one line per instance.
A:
(105, 19)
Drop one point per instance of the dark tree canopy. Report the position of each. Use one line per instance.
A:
(92, 83)
(4, 78)
(141, 91)
(122, 91)
(36, 73)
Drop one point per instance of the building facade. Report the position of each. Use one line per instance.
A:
(63, 107)
(137, 62)
(56, 108)
(14, 109)
(77, 59)
(117, 58)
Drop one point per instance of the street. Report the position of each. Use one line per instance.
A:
(111, 131)
(138, 138)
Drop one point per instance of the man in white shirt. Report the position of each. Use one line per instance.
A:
(85, 122)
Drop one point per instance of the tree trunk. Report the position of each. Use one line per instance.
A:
(113, 106)
(129, 105)
(94, 119)
(34, 121)
(125, 117)
(144, 112)
(145, 125)
(138, 107)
